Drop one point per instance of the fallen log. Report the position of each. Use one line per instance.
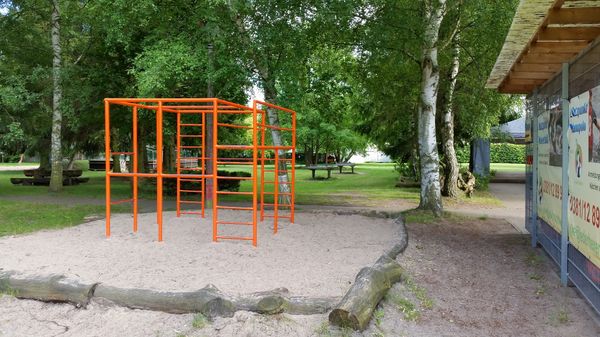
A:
(208, 300)
(52, 288)
(278, 301)
(370, 286)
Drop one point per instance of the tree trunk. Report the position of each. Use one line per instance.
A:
(451, 162)
(208, 130)
(56, 178)
(431, 198)
(116, 163)
(272, 114)
(143, 151)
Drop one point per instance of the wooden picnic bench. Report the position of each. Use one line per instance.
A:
(341, 166)
(42, 177)
(314, 168)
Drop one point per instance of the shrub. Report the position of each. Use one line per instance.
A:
(499, 153)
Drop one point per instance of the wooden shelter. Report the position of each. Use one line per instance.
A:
(544, 34)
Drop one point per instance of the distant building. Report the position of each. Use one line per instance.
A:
(372, 155)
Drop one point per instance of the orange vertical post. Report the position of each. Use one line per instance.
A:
(215, 157)
(178, 134)
(254, 173)
(262, 166)
(202, 162)
(276, 192)
(159, 169)
(293, 163)
(107, 163)
(135, 168)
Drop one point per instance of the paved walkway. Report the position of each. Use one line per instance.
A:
(512, 209)
(18, 168)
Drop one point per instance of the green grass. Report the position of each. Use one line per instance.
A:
(18, 164)
(371, 185)
(23, 217)
(502, 167)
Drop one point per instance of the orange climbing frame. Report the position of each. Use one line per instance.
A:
(192, 165)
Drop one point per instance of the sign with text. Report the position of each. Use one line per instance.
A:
(549, 134)
(584, 174)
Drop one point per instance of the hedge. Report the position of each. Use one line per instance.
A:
(499, 153)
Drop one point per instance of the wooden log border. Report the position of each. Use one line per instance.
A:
(353, 310)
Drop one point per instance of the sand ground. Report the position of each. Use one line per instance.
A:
(319, 255)
(469, 278)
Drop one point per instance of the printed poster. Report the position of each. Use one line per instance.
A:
(584, 174)
(550, 160)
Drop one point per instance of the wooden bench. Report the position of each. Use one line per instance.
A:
(42, 177)
(341, 166)
(314, 168)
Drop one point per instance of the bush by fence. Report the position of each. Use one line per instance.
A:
(499, 153)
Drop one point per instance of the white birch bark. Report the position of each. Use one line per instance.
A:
(452, 170)
(56, 178)
(431, 198)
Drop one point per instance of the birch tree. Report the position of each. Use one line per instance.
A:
(56, 178)
(431, 198)
(451, 168)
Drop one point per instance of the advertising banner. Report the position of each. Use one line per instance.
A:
(550, 159)
(584, 174)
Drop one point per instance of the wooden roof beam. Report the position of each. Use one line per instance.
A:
(568, 33)
(558, 46)
(536, 67)
(529, 75)
(545, 58)
(573, 16)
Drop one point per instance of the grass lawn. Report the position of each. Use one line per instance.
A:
(503, 167)
(17, 164)
(371, 185)
(17, 217)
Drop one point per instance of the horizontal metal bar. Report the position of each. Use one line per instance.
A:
(190, 124)
(121, 153)
(191, 191)
(236, 193)
(191, 147)
(190, 212)
(120, 201)
(191, 202)
(190, 136)
(235, 147)
(235, 208)
(279, 193)
(279, 216)
(234, 126)
(234, 178)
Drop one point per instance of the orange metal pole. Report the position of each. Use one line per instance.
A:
(135, 169)
(202, 162)
(214, 171)
(276, 192)
(107, 163)
(254, 174)
(159, 169)
(262, 168)
(178, 202)
(293, 190)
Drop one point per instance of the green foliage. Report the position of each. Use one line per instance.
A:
(499, 153)
(507, 153)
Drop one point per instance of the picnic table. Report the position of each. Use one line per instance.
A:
(314, 168)
(42, 177)
(341, 166)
